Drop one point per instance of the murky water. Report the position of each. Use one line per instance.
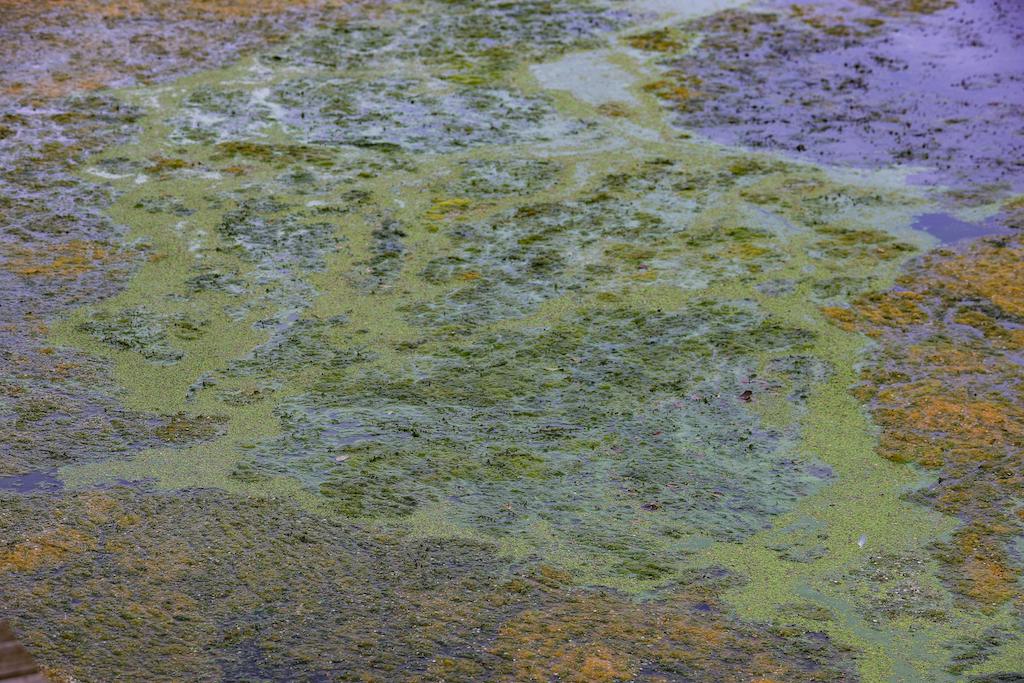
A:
(513, 341)
(31, 482)
(951, 229)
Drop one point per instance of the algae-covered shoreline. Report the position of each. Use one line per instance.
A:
(459, 341)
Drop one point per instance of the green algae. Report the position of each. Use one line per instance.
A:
(346, 468)
(839, 434)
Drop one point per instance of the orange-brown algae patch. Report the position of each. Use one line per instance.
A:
(56, 675)
(988, 580)
(898, 7)
(180, 585)
(679, 88)
(659, 40)
(994, 271)
(844, 318)
(540, 648)
(47, 548)
(66, 260)
(598, 636)
(945, 389)
(893, 309)
(615, 109)
(248, 8)
(832, 24)
(99, 507)
(958, 359)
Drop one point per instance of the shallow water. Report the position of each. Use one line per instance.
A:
(950, 229)
(31, 482)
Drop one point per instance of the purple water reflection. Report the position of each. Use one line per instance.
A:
(842, 82)
(32, 482)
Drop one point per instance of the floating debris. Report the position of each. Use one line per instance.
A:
(16, 664)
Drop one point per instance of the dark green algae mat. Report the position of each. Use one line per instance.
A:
(534, 341)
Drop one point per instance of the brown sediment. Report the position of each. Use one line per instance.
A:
(945, 388)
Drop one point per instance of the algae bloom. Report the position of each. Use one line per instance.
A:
(550, 340)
